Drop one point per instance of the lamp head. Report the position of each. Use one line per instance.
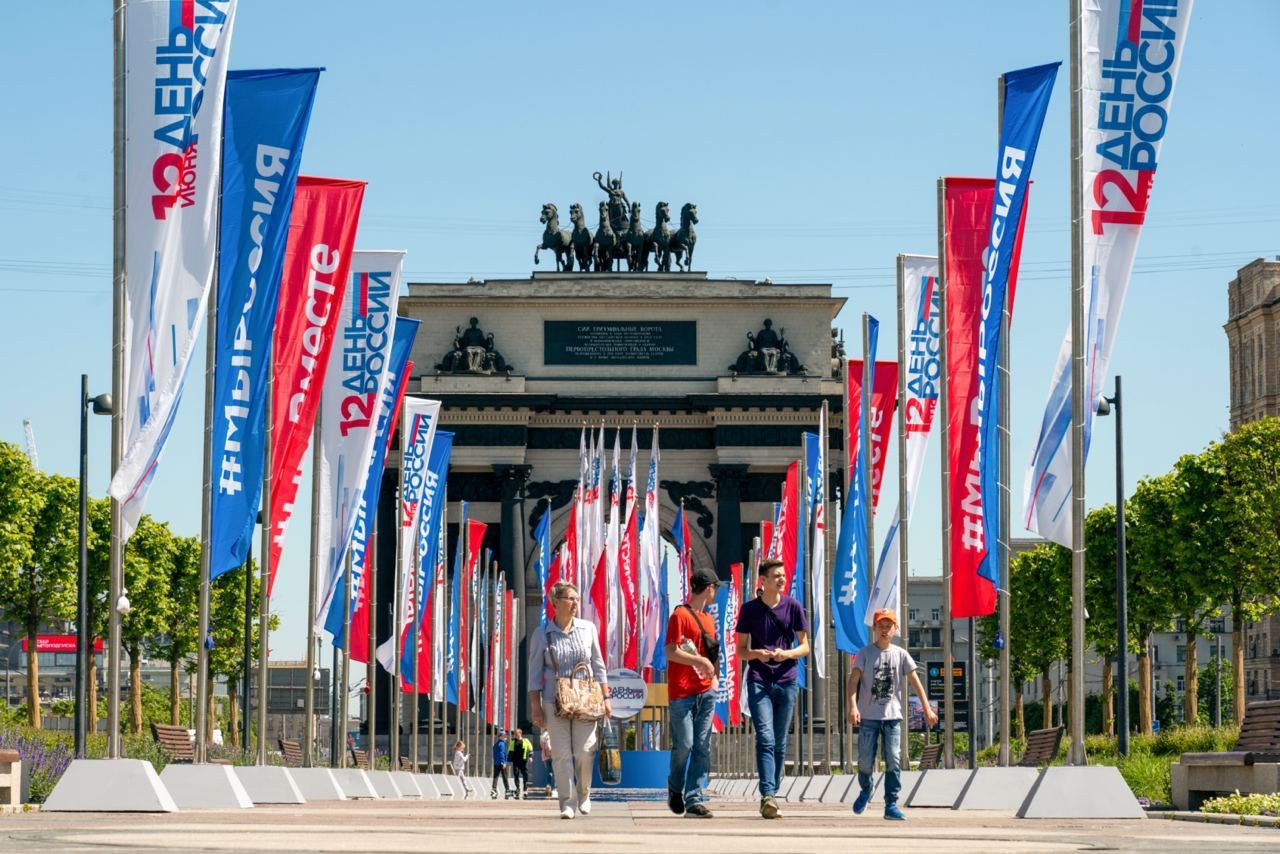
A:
(101, 404)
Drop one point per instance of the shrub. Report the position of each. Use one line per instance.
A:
(1238, 804)
(45, 755)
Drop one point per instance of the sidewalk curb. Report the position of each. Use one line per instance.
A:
(1221, 818)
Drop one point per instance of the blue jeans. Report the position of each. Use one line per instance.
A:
(771, 705)
(691, 745)
(887, 735)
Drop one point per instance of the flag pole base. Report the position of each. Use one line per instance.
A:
(1076, 791)
(110, 785)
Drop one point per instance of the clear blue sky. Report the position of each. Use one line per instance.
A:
(809, 135)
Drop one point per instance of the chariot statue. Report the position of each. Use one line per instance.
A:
(473, 353)
(767, 353)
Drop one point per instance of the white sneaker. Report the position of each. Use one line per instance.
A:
(555, 793)
(585, 807)
(567, 812)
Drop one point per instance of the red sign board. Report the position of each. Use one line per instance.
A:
(59, 643)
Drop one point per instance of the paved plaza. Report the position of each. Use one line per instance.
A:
(506, 826)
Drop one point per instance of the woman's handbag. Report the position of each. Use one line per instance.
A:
(609, 757)
(578, 697)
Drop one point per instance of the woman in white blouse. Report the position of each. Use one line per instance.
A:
(569, 641)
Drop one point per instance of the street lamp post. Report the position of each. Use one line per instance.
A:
(101, 405)
(1121, 681)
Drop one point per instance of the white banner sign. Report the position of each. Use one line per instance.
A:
(354, 386)
(922, 370)
(1130, 53)
(175, 75)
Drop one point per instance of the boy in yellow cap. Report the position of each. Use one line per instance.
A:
(875, 707)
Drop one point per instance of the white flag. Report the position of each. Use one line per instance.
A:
(922, 370)
(354, 389)
(175, 76)
(1130, 53)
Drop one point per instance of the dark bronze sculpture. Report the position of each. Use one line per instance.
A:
(638, 241)
(581, 237)
(662, 237)
(618, 202)
(620, 235)
(608, 242)
(767, 353)
(682, 240)
(473, 353)
(554, 239)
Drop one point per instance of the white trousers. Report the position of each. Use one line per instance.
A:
(573, 749)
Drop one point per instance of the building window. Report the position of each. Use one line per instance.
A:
(1218, 625)
(1182, 655)
(1181, 684)
(936, 615)
(913, 614)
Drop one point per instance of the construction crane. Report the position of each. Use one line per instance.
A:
(31, 443)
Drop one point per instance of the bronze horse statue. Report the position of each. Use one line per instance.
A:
(682, 241)
(638, 241)
(581, 238)
(662, 237)
(554, 239)
(609, 244)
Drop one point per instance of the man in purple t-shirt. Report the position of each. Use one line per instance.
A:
(773, 634)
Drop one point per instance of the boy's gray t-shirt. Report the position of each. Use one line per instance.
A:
(884, 672)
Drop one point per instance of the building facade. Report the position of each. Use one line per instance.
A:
(1253, 342)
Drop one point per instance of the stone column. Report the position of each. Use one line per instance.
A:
(728, 478)
(514, 478)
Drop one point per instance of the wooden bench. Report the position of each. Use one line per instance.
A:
(176, 741)
(930, 757)
(1253, 767)
(1042, 747)
(360, 758)
(291, 750)
(406, 764)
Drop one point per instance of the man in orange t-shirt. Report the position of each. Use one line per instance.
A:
(693, 664)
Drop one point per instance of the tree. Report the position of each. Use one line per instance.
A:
(177, 642)
(1100, 600)
(1197, 536)
(97, 613)
(1248, 462)
(226, 624)
(1039, 620)
(1149, 520)
(148, 569)
(1222, 667)
(42, 587)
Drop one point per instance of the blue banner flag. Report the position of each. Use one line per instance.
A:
(455, 605)
(850, 576)
(1027, 93)
(660, 649)
(433, 501)
(542, 537)
(265, 116)
(401, 345)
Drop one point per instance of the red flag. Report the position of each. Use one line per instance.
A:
(628, 550)
(553, 576)
(731, 671)
(967, 212)
(884, 400)
(569, 553)
(600, 602)
(322, 235)
(784, 538)
(475, 536)
(766, 541)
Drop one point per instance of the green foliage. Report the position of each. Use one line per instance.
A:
(1205, 679)
(1039, 612)
(155, 709)
(1238, 804)
(226, 621)
(20, 501)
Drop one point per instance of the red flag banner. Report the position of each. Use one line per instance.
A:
(967, 220)
(508, 630)
(322, 237)
(788, 529)
(884, 402)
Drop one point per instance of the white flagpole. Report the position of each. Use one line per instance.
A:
(1075, 753)
(1005, 754)
(948, 726)
(903, 507)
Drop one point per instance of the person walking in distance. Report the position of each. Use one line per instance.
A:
(520, 751)
(693, 659)
(875, 707)
(564, 643)
(544, 744)
(500, 766)
(773, 635)
(460, 767)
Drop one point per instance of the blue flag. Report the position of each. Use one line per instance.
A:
(265, 117)
(433, 501)
(542, 537)
(451, 635)
(401, 344)
(660, 651)
(1027, 93)
(851, 580)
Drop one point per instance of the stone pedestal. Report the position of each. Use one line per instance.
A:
(209, 787)
(997, 789)
(939, 787)
(1093, 791)
(317, 784)
(110, 785)
(269, 784)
